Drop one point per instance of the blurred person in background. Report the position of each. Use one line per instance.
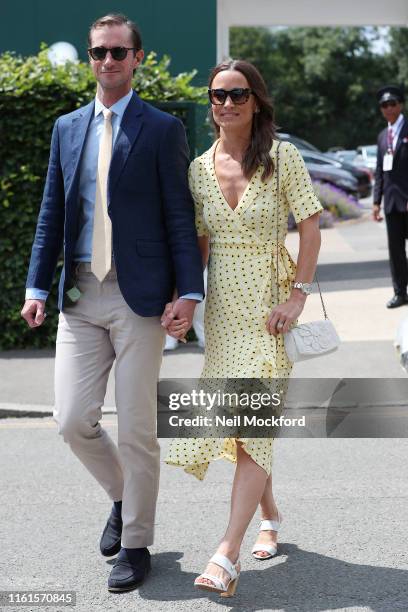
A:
(391, 183)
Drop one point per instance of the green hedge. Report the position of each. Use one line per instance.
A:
(33, 94)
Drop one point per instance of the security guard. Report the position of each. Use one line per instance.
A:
(391, 181)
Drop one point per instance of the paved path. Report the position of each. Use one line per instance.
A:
(343, 537)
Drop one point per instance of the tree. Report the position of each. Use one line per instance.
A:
(323, 80)
(399, 49)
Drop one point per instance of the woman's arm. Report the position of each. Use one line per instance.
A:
(309, 247)
(204, 246)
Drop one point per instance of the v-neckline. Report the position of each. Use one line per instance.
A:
(244, 193)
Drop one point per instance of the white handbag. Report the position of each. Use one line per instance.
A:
(312, 339)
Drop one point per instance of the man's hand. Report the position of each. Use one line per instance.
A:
(177, 317)
(34, 312)
(177, 328)
(377, 212)
(184, 309)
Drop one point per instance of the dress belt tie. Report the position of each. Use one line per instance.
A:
(279, 258)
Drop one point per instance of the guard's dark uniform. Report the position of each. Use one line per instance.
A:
(393, 185)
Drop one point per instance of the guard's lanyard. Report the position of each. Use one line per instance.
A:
(389, 156)
(390, 140)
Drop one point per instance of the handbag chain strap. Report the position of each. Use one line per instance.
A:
(277, 236)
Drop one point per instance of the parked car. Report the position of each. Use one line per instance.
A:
(343, 155)
(347, 157)
(298, 142)
(361, 186)
(322, 168)
(367, 154)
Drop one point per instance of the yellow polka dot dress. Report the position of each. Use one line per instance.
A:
(242, 290)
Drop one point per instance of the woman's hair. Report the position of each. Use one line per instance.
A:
(263, 124)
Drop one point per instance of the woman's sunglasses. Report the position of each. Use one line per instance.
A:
(238, 95)
(389, 103)
(117, 53)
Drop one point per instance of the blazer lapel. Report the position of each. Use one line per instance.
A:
(130, 127)
(382, 142)
(403, 134)
(80, 124)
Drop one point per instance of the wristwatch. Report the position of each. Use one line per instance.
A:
(305, 288)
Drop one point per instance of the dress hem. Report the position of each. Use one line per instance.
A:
(191, 468)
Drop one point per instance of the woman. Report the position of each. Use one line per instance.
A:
(234, 186)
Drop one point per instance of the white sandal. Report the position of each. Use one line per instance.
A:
(268, 548)
(218, 586)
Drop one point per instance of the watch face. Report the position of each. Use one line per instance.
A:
(306, 288)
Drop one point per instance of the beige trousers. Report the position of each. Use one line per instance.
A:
(99, 328)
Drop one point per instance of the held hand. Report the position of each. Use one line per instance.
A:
(178, 329)
(168, 315)
(282, 316)
(184, 309)
(177, 317)
(377, 212)
(33, 312)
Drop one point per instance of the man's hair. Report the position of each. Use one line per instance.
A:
(117, 19)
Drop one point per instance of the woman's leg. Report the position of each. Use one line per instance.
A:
(269, 511)
(247, 490)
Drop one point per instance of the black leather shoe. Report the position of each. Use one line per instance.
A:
(110, 540)
(127, 574)
(397, 300)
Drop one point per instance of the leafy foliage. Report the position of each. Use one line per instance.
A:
(335, 200)
(324, 80)
(337, 204)
(399, 49)
(33, 94)
(155, 83)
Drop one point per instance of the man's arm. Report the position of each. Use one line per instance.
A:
(48, 239)
(179, 218)
(168, 317)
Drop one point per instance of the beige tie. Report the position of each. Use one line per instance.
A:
(102, 228)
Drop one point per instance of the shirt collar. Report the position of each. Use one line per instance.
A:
(118, 108)
(397, 125)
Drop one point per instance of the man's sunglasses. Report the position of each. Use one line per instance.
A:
(388, 103)
(238, 95)
(117, 53)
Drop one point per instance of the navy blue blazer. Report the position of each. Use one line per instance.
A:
(153, 233)
(394, 183)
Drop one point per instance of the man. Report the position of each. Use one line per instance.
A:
(391, 180)
(116, 198)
